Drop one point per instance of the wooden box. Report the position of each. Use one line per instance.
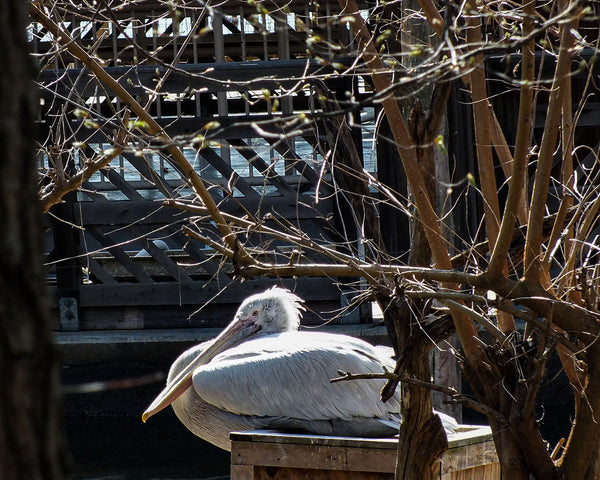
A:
(266, 455)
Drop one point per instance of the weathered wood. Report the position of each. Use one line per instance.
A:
(98, 271)
(314, 456)
(214, 77)
(179, 273)
(471, 456)
(283, 473)
(146, 212)
(256, 161)
(243, 472)
(171, 293)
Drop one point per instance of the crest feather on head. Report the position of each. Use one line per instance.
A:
(276, 305)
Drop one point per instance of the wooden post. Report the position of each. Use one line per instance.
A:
(67, 250)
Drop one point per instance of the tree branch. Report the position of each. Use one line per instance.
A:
(382, 81)
(533, 243)
(451, 392)
(61, 188)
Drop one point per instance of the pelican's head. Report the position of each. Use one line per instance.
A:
(273, 311)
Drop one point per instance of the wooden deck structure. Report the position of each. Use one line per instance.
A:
(263, 455)
(118, 258)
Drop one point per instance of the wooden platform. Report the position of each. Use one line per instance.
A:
(262, 455)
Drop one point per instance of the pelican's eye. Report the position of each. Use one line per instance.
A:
(255, 313)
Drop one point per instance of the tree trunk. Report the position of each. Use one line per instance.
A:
(30, 432)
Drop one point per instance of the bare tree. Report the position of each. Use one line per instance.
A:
(532, 259)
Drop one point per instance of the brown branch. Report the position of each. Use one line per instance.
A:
(568, 316)
(451, 392)
(209, 242)
(524, 123)
(533, 244)
(586, 223)
(582, 445)
(382, 81)
(433, 17)
(63, 186)
(483, 123)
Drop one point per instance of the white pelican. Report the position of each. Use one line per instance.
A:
(262, 373)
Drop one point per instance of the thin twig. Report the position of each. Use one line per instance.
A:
(451, 392)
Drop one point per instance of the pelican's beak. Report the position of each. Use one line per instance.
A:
(232, 335)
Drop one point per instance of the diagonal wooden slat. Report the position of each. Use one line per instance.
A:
(212, 266)
(120, 255)
(303, 168)
(90, 189)
(256, 161)
(229, 173)
(100, 272)
(118, 181)
(164, 261)
(141, 165)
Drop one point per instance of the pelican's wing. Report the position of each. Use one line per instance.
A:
(287, 375)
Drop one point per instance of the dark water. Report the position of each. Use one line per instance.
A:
(127, 449)
(107, 440)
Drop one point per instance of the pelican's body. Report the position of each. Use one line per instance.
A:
(273, 376)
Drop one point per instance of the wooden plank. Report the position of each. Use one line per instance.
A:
(141, 165)
(178, 273)
(214, 77)
(96, 270)
(229, 173)
(233, 126)
(175, 317)
(469, 456)
(242, 472)
(491, 471)
(118, 181)
(313, 457)
(203, 257)
(90, 190)
(273, 437)
(124, 212)
(146, 212)
(256, 161)
(282, 473)
(201, 49)
(172, 293)
(283, 148)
